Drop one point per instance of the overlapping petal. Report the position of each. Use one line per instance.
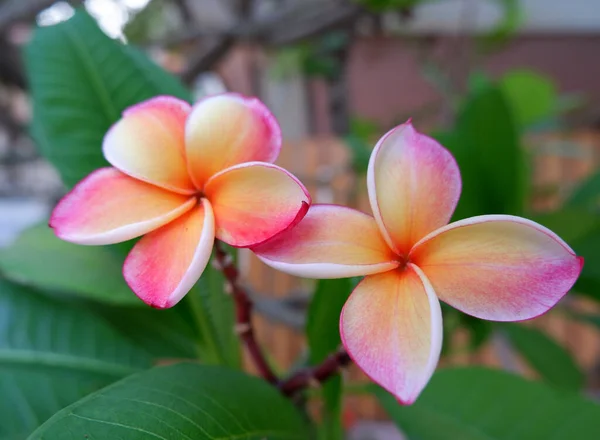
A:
(330, 242)
(498, 267)
(391, 326)
(227, 130)
(109, 207)
(165, 264)
(414, 185)
(148, 143)
(255, 201)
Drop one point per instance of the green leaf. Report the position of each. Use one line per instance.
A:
(482, 404)
(507, 27)
(214, 312)
(571, 224)
(322, 330)
(359, 142)
(588, 246)
(52, 354)
(38, 258)
(486, 146)
(388, 5)
(480, 330)
(553, 363)
(587, 194)
(165, 334)
(323, 318)
(478, 80)
(360, 151)
(81, 81)
(364, 128)
(531, 96)
(184, 401)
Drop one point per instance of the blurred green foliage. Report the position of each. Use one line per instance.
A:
(486, 144)
(507, 26)
(388, 5)
(359, 140)
(481, 404)
(531, 96)
(553, 363)
(313, 58)
(323, 338)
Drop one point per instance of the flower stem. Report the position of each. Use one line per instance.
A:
(315, 375)
(243, 306)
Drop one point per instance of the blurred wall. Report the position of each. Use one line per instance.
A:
(387, 81)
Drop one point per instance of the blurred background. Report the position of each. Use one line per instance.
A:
(511, 87)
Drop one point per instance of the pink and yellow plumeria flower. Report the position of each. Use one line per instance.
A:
(183, 176)
(495, 267)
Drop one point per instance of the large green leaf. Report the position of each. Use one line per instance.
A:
(165, 334)
(323, 318)
(482, 404)
(214, 312)
(322, 331)
(184, 401)
(52, 354)
(38, 258)
(492, 163)
(81, 81)
(553, 363)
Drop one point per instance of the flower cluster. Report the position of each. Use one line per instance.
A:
(182, 176)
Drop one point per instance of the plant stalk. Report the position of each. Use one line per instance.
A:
(243, 306)
(316, 375)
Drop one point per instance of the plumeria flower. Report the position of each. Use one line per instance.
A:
(182, 176)
(495, 267)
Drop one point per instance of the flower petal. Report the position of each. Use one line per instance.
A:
(414, 185)
(165, 264)
(148, 143)
(227, 130)
(330, 242)
(109, 207)
(255, 201)
(498, 267)
(391, 327)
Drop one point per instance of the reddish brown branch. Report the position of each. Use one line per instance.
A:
(243, 306)
(315, 375)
